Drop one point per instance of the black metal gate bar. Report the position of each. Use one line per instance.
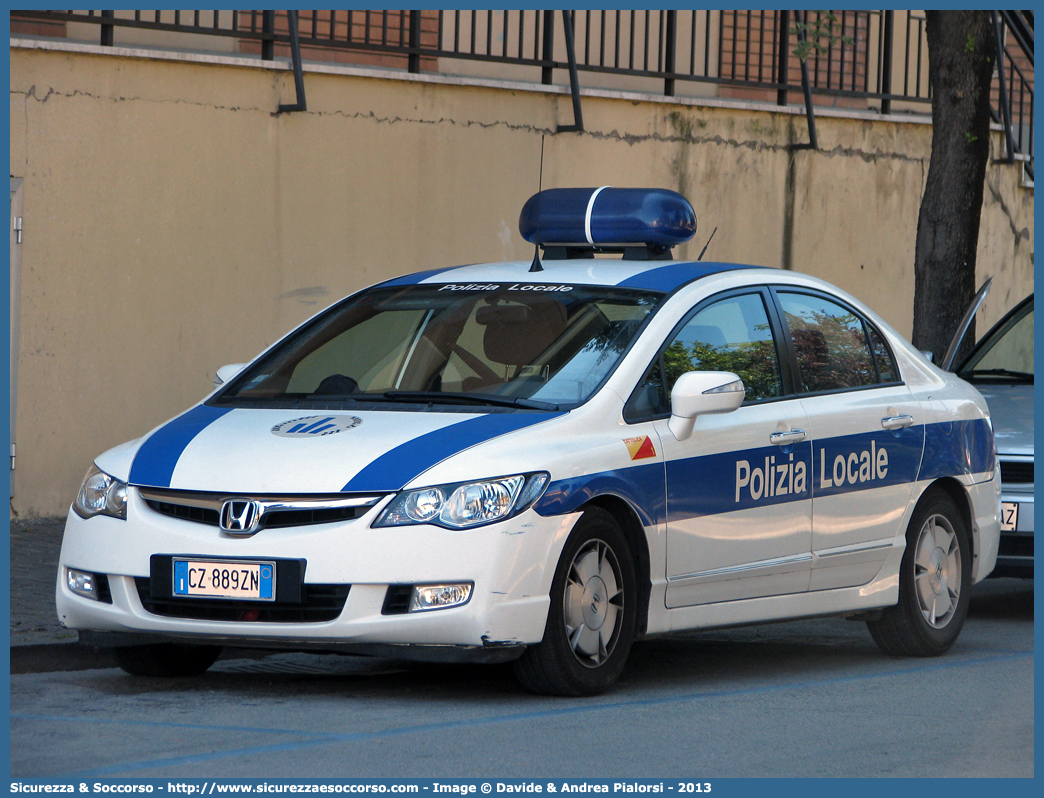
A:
(574, 80)
(670, 36)
(1005, 109)
(886, 62)
(295, 57)
(783, 75)
(268, 37)
(107, 28)
(415, 42)
(547, 71)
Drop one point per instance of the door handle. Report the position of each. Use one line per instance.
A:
(790, 436)
(896, 422)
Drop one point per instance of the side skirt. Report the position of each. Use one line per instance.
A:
(883, 591)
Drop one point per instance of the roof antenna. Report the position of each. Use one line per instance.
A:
(535, 266)
(707, 244)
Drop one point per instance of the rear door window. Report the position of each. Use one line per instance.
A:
(830, 343)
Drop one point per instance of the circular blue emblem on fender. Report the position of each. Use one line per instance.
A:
(315, 426)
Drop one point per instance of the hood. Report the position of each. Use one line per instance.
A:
(301, 452)
(1011, 410)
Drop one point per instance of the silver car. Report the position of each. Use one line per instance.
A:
(1001, 367)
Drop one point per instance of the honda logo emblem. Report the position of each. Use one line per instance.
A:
(240, 517)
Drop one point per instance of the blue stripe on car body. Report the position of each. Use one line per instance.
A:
(641, 486)
(709, 484)
(866, 460)
(672, 275)
(157, 457)
(397, 467)
(415, 278)
(967, 448)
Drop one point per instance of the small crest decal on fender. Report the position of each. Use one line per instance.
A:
(640, 448)
(315, 426)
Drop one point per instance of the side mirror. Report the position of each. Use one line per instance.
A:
(700, 392)
(225, 373)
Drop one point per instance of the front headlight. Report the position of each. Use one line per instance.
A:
(463, 505)
(101, 494)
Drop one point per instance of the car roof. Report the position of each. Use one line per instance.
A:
(650, 275)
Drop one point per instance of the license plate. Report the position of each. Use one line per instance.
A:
(224, 579)
(1009, 516)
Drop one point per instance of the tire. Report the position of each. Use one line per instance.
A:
(934, 583)
(166, 659)
(591, 620)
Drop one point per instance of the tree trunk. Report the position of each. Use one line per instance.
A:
(962, 50)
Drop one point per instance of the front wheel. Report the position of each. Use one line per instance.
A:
(166, 659)
(591, 620)
(934, 583)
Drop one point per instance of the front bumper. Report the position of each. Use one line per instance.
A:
(488, 654)
(510, 564)
(1015, 556)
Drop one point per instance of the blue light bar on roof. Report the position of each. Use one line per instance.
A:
(606, 216)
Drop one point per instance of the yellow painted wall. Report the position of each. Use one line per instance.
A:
(174, 223)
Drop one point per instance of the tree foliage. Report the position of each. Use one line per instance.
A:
(818, 35)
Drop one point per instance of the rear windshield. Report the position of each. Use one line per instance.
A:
(496, 345)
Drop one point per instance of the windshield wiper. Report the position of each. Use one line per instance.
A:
(1019, 376)
(450, 397)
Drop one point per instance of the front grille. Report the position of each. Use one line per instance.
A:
(277, 512)
(1015, 472)
(285, 518)
(201, 515)
(1015, 546)
(319, 603)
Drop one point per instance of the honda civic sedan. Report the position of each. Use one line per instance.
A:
(544, 462)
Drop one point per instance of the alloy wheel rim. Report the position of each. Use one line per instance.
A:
(593, 603)
(937, 571)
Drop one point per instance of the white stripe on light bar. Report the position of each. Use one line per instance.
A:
(590, 207)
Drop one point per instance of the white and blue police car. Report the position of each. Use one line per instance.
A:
(545, 462)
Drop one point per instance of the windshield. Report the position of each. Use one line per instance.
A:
(1006, 353)
(487, 344)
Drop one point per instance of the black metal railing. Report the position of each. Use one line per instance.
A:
(1014, 108)
(860, 59)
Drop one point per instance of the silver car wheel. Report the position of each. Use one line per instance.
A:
(937, 571)
(592, 616)
(593, 603)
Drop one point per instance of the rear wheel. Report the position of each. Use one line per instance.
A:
(591, 620)
(934, 583)
(166, 659)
